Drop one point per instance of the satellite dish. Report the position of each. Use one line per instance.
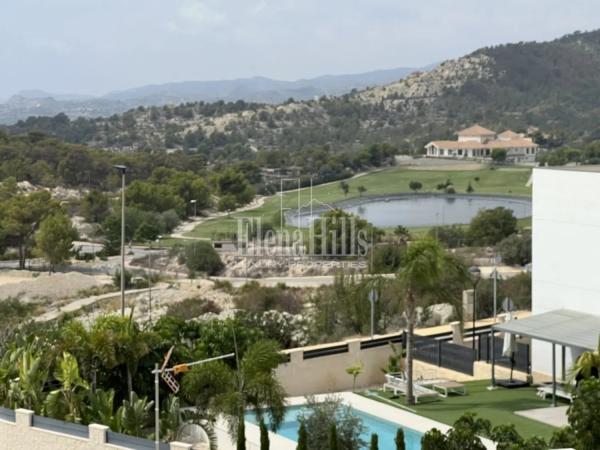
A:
(192, 433)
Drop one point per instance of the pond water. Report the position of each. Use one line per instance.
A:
(420, 210)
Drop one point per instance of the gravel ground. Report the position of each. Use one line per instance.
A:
(41, 287)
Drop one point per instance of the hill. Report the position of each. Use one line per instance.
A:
(36, 102)
(552, 86)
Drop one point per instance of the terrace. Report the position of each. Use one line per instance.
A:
(499, 406)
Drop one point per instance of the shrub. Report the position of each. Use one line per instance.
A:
(415, 185)
(515, 249)
(320, 417)
(117, 278)
(193, 307)
(490, 226)
(201, 256)
(255, 298)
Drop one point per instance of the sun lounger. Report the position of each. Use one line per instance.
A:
(546, 391)
(450, 387)
(397, 384)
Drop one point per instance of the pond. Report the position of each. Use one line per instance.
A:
(419, 210)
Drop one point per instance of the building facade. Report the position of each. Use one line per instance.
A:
(566, 245)
(477, 142)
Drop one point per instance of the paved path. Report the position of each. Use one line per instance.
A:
(553, 416)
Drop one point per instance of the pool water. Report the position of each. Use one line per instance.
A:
(386, 431)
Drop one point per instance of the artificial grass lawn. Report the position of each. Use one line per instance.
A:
(497, 406)
(395, 180)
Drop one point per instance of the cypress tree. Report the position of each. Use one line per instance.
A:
(333, 439)
(400, 440)
(374, 442)
(302, 438)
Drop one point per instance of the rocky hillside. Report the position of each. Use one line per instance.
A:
(553, 86)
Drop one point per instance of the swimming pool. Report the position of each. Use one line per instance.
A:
(385, 430)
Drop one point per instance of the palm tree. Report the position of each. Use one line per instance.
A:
(130, 343)
(424, 271)
(66, 402)
(100, 408)
(587, 365)
(27, 390)
(134, 415)
(218, 389)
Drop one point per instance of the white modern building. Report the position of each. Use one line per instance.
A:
(477, 142)
(566, 256)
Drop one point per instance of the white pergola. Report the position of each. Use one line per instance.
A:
(560, 327)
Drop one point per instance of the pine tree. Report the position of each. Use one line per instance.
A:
(400, 440)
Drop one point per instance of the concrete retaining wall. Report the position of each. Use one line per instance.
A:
(22, 435)
(327, 373)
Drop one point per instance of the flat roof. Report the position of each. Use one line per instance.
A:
(562, 326)
(579, 168)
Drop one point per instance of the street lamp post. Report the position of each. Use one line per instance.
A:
(193, 202)
(372, 300)
(122, 170)
(475, 276)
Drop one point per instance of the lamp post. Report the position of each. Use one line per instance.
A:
(475, 277)
(122, 171)
(372, 300)
(193, 202)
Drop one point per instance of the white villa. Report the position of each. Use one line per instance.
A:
(478, 142)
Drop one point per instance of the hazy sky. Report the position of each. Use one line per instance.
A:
(94, 46)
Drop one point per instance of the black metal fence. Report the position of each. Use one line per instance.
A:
(445, 354)
(60, 426)
(522, 353)
(7, 414)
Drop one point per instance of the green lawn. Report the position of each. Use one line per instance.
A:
(395, 180)
(497, 406)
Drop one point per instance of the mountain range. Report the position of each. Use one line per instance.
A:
(551, 86)
(36, 102)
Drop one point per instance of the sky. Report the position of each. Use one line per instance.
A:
(97, 46)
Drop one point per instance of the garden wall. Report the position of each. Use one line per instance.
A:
(22, 430)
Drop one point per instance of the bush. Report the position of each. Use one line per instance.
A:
(452, 236)
(415, 185)
(320, 417)
(200, 256)
(515, 249)
(256, 298)
(387, 258)
(117, 279)
(490, 226)
(193, 307)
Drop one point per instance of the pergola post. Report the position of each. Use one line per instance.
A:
(553, 374)
(563, 363)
